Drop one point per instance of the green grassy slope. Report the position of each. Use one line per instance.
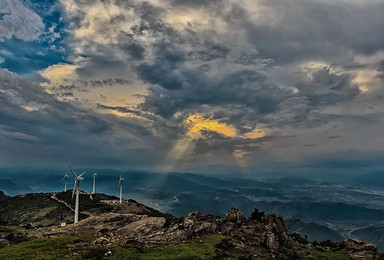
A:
(38, 208)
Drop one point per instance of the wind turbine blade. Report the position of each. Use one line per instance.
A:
(73, 191)
(73, 172)
(82, 174)
(62, 179)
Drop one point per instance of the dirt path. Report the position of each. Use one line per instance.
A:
(62, 201)
(69, 206)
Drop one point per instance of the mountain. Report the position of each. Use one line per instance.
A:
(313, 231)
(374, 234)
(110, 230)
(3, 196)
(10, 187)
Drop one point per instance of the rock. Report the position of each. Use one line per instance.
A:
(360, 249)
(4, 242)
(200, 224)
(101, 241)
(277, 222)
(272, 242)
(246, 236)
(17, 236)
(258, 216)
(146, 228)
(235, 216)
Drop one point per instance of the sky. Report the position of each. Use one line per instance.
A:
(176, 85)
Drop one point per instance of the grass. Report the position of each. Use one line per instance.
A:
(56, 248)
(38, 208)
(329, 255)
(204, 248)
(42, 248)
(190, 250)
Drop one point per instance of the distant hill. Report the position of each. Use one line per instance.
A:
(374, 234)
(10, 187)
(314, 232)
(3, 196)
(375, 179)
(36, 208)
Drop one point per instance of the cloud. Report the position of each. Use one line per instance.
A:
(37, 128)
(60, 73)
(250, 66)
(207, 82)
(16, 20)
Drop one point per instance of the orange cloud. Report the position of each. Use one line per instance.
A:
(198, 123)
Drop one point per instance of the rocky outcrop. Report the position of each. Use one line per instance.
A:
(246, 236)
(235, 216)
(4, 242)
(354, 247)
(360, 249)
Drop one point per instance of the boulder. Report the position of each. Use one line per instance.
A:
(235, 216)
(4, 242)
(272, 242)
(360, 249)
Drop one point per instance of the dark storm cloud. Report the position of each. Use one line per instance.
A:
(105, 82)
(326, 88)
(35, 126)
(252, 91)
(228, 78)
(195, 3)
(119, 109)
(318, 29)
(62, 117)
(238, 63)
(213, 142)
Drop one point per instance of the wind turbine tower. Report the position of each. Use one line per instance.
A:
(65, 181)
(77, 187)
(121, 188)
(94, 182)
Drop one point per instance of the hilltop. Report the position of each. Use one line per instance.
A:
(109, 230)
(3, 196)
(49, 209)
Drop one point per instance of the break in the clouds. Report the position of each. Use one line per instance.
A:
(178, 84)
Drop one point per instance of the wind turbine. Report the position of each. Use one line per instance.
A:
(77, 187)
(121, 188)
(94, 181)
(65, 183)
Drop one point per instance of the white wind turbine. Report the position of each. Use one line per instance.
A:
(121, 188)
(77, 187)
(65, 183)
(94, 182)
